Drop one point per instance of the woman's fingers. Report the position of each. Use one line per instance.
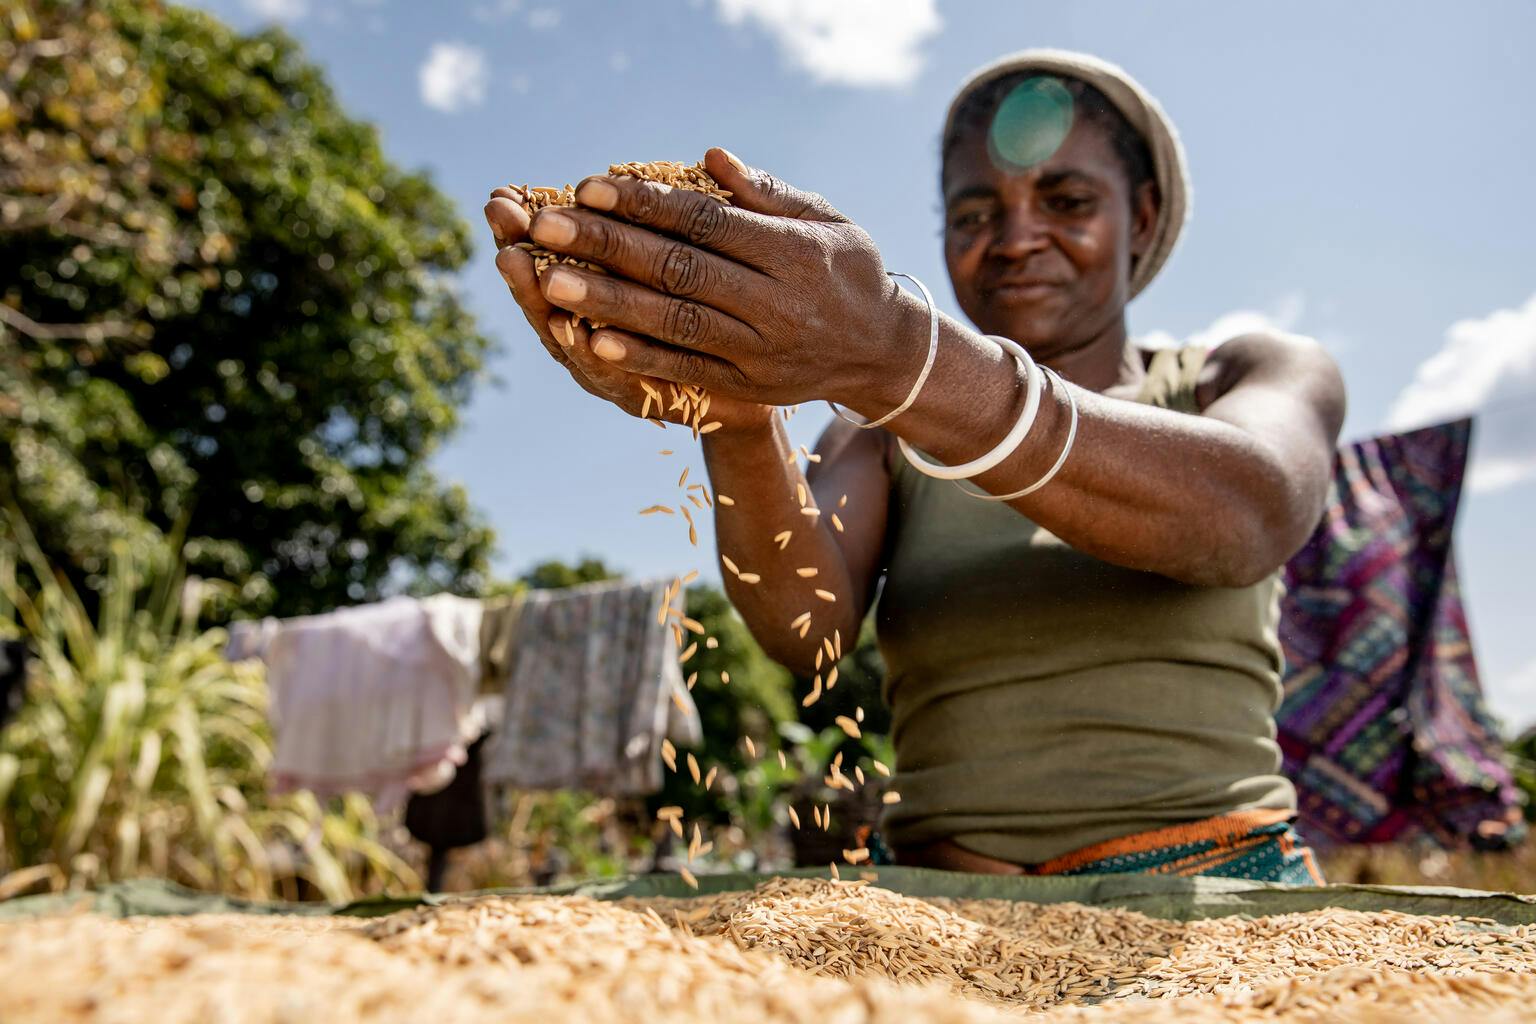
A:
(602, 377)
(761, 192)
(682, 322)
(507, 218)
(516, 268)
(693, 216)
(634, 355)
(666, 264)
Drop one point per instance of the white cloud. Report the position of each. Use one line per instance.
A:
(453, 77)
(543, 19)
(845, 42)
(619, 62)
(1513, 698)
(278, 10)
(1282, 317)
(1484, 364)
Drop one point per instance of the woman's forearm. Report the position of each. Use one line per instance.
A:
(1190, 497)
(756, 469)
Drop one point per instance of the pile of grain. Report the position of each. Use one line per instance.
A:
(792, 950)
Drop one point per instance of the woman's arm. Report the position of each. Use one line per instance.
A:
(758, 470)
(779, 299)
(1221, 499)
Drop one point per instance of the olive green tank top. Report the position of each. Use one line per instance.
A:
(1044, 700)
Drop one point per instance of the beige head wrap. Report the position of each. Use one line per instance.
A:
(1144, 114)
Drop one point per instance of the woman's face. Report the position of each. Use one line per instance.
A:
(1043, 256)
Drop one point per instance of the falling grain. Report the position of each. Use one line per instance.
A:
(891, 797)
(848, 726)
(654, 509)
(668, 756)
(726, 561)
(807, 573)
(693, 768)
(837, 524)
(725, 499)
(782, 539)
(794, 817)
(749, 577)
(826, 595)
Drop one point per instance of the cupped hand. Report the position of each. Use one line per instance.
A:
(775, 299)
(570, 342)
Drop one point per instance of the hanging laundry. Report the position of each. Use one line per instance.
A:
(378, 699)
(592, 686)
(1383, 725)
(13, 677)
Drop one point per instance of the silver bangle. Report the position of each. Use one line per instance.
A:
(1061, 459)
(1006, 447)
(922, 378)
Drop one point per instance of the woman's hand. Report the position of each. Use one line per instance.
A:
(569, 341)
(777, 299)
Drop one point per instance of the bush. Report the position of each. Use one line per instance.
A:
(139, 751)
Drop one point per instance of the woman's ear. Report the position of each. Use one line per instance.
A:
(1144, 209)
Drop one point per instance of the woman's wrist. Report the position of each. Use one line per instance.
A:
(897, 347)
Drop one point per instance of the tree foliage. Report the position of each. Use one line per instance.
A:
(222, 305)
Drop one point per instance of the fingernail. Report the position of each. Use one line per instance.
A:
(503, 259)
(734, 162)
(607, 347)
(598, 194)
(554, 228)
(565, 286)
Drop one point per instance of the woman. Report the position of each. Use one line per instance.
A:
(1083, 677)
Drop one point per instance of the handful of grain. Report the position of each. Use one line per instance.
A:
(534, 198)
(692, 401)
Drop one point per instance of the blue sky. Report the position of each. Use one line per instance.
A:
(1362, 174)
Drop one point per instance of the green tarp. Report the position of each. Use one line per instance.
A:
(1179, 899)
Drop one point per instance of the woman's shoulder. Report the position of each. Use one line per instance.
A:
(1286, 359)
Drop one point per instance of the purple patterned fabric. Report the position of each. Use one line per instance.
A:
(1383, 725)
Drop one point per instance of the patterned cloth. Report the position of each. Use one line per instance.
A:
(592, 686)
(1257, 845)
(1383, 725)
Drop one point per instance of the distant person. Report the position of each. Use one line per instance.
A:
(1082, 674)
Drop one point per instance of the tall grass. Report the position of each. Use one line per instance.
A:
(139, 751)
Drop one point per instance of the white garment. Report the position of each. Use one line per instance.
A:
(377, 699)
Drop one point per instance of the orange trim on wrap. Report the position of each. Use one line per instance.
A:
(1226, 829)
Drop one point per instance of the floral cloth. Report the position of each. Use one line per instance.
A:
(1383, 725)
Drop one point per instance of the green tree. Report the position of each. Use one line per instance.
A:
(222, 305)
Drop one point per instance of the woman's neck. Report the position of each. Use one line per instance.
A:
(1106, 362)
